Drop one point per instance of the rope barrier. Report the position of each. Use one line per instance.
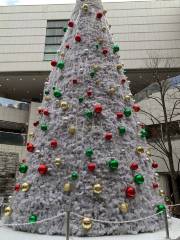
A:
(117, 222)
(94, 220)
(24, 224)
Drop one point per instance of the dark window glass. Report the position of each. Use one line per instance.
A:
(54, 35)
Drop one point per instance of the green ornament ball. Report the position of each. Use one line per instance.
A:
(33, 218)
(160, 208)
(74, 175)
(46, 92)
(139, 179)
(88, 114)
(113, 164)
(60, 65)
(44, 127)
(57, 93)
(81, 99)
(115, 49)
(65, 29)
(122, 130)
(143, 133)
(97, 46)
(92, 73)
(89, 152)
(127, 112)
(23, 168)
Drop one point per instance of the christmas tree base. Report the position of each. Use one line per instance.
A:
(174, 229)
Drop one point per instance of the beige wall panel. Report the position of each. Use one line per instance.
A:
(22, 32)
(26, 57)
(146, 28)
(22, 48)
(23, 24)
(28, 66)
(144, 20)
(23, 40)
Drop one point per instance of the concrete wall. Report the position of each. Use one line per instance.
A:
(13, 115)
(20, 150)
(137, 26)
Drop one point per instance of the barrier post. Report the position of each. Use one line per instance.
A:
(166, 224)
(67, 224)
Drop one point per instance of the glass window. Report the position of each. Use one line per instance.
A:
(54, 35)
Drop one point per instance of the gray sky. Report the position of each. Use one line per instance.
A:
(35, 2)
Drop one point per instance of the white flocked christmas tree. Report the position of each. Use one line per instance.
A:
(88, 152)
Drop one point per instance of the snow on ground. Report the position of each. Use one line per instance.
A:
(174, 229)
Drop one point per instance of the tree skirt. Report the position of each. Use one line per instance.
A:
(174, 229)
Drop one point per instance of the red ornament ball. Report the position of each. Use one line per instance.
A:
(40, 110)
(17, 187)
(99, 15)
(67, 46)
(105, 51)
(46, 112)
(155, 185)
(53, 63)
(119, 115)
(130, 192)
(71, 24)
(42, 169)
(98, 108)
(75, 81)
(91, 166)
(134, 166)
(89, 92)
(36, 123)
(136, 107)
(123, 81)
(108, 136)
(30, 147)
(154, 165)
(78, 38)
(53, 143)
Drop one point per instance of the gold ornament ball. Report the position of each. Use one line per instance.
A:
(97, 188)
(148, 153)
(140, 149)
(96, 67)
(123, 207)
(62, 55)
(67, 187)
(31, 134)
(72, 130)
(112, 91)
(98, 82)
(87, 223)
(100, 40)
(64, 105)
(47, 98)
(104, 12)
(127, 98)
(85, 7)
(25, 187)
(57, 162)
(161, 193)
(119, 67)
(8, 211)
